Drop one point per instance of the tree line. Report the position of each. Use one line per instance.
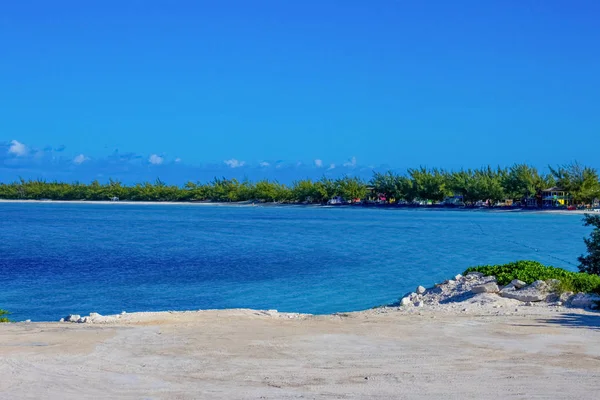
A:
(518, 182)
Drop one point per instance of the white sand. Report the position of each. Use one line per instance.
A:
(535, 352)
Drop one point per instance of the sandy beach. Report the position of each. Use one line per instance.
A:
(244, 354)
(259, 204)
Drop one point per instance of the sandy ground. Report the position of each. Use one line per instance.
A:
(249, 204)
(245, 354)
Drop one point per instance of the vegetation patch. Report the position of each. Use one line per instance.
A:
(531, 271)
(3, 313)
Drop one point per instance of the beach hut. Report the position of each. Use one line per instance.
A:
(556, 197)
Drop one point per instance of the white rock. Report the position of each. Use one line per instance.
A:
(458, 277)
(539, 285)
(61, 320)
(419, 304)
(450, 282)
(518, 284)
(421, 290)
(28, 320)
(94, 315)
(559, 303)
(491, 287)
(475, 274)
(508, 288)
(73, 318)
(82, 320)
(584, 300)
(405, 301)
(526, 294)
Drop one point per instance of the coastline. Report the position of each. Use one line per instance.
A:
(440, 342)
(259, 204)
(247, 354)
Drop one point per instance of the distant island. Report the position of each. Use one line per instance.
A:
(570, 186)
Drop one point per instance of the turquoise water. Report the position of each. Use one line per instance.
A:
(57, 259)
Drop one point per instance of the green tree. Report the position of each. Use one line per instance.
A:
(350, 188)
(429, 184)
(384, 184)
(590, 263)
(581, 182)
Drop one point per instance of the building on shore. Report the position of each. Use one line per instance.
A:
(556, 197)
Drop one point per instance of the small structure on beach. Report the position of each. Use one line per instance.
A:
(556, 197)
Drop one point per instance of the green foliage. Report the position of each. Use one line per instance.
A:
(531, 271)
(580, 181)
(486, 184)
(590, 263)
(429, 184)
(2, 316)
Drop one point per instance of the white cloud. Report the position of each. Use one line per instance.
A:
(178, 160)
(155, 159)
(233, 163)
(17, 148)
(264, 164)
(318, 163)
(80, 159)
(331, 166)
(351, 162)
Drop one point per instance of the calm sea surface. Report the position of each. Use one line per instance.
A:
(57, 259)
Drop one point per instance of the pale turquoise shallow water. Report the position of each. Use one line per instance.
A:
(57, 259)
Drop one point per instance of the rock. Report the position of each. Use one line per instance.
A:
(508, 288)
(529, 293)
(541, 285)
(491, 287)
(518, 284)
(458, 277)
(475, 274)
(528, 304)
(405, 301)
(82, 320)
(584, 300)
(450, 282)
(27, 320)
(421, 290)
(465, 310)
(73, 318)
(559, 303)
(61, 320)
(94, 315)
(564, 297)
(419, 304)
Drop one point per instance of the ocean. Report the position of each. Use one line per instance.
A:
(66, 258)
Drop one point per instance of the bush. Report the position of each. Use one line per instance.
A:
(530, 271)
(590, 263)
(2, 316)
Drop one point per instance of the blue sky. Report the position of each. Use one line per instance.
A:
(190, 89)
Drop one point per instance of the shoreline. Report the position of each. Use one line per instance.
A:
(260, 204)
(437, 342)
(245, 354)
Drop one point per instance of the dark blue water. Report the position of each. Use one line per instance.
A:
(57, 259)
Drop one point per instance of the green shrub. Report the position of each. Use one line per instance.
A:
(2, 316)
(530, 271)
(590, 263)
